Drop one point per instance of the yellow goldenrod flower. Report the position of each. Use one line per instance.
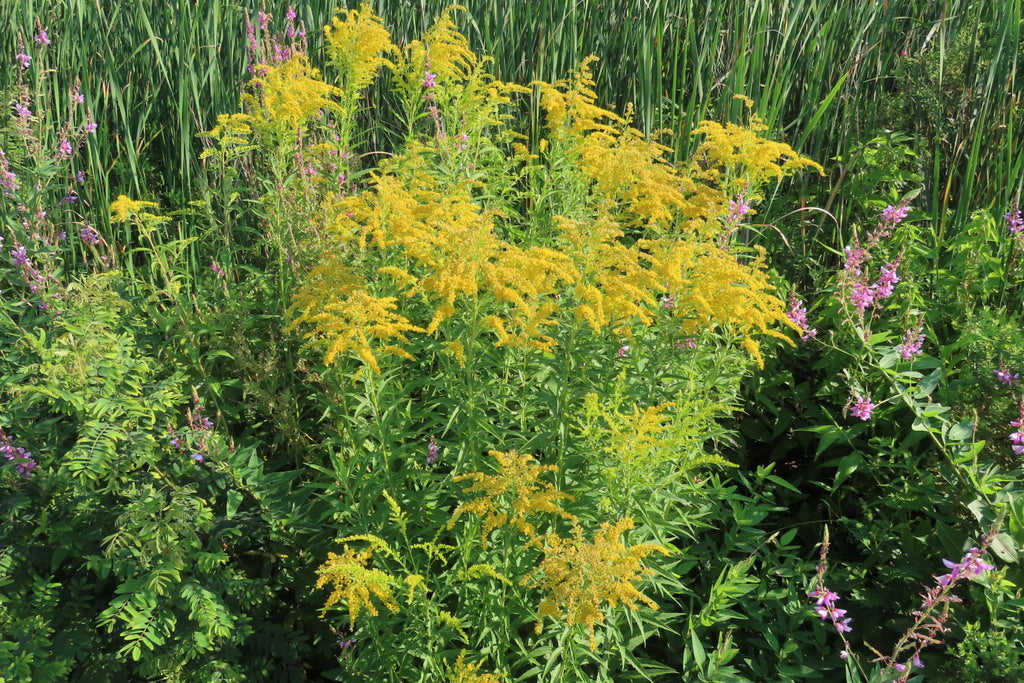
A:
(512, 495)
(580, 577)
(357, 43)
(353, 581)
(463, 672)
(123, 209)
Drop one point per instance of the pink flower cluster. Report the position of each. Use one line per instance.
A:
(1006, 377)
(797, 313)
(1017, 437)
(862, 294)
(1015, 224)
(22, 459)
(913, 339)
(862, 407)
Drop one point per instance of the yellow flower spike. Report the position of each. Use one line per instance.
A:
(124, 209)
(291, 93)
(512, 495)
(357, 43)
(463, 672)
(580, 577)
(351, 580)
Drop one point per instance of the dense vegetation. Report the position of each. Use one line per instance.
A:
(524, 341)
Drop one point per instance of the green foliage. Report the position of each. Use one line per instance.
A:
(210, 500)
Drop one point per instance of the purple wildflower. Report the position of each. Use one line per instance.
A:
(432, 451)
(737, 209)
(886, 281)
(23, 59)
(862, 407)
(623, 351)
(429, 80)
(797, 313)
(861, 296)
(912, 342)
(1017, 437)
(89, 235)
(198, 457)
(80, 177)
(893, 215)
(22, 459)
(21, 111)
(1014, 223)
(8, 180)
(19, 256)
(217, 270)
(64, 147)
(1006, 377)
(41, 37)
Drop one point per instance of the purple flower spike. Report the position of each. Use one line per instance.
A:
(863, 407)
(23, 59)
(432, 451)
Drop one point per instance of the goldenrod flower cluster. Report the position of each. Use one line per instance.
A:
(357, 45)
(124, 209)
(352, 580)
(581, 576)
(230, 135)
(465, 672)
(512, 495)
(291, 93)
(438, 242)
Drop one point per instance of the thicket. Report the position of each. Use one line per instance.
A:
(354, 354)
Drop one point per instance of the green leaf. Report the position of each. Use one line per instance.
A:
(233, 503)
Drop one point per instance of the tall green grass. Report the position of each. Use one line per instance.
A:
(824, 75)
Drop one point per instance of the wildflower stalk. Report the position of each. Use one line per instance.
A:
(930, 618)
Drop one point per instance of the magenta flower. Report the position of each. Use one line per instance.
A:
(913, 339)
(861, 296)
(429, 80)
(41, 37)
(89, 235)
(64, 147)
(886, 281)
(1006, 377)
(21, 111)
(1014, 222)
(1017, 437)
(23, 59)
(432, 451)
(18, 456)
(737, 209)
(623, 351)
(797, 313)
(217, 270)
(893, 215)
(862, 407)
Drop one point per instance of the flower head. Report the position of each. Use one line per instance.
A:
(41, 37)
(1006, 377)
(913, 339)
(429, 80)
(862, 407)
(23, 59)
